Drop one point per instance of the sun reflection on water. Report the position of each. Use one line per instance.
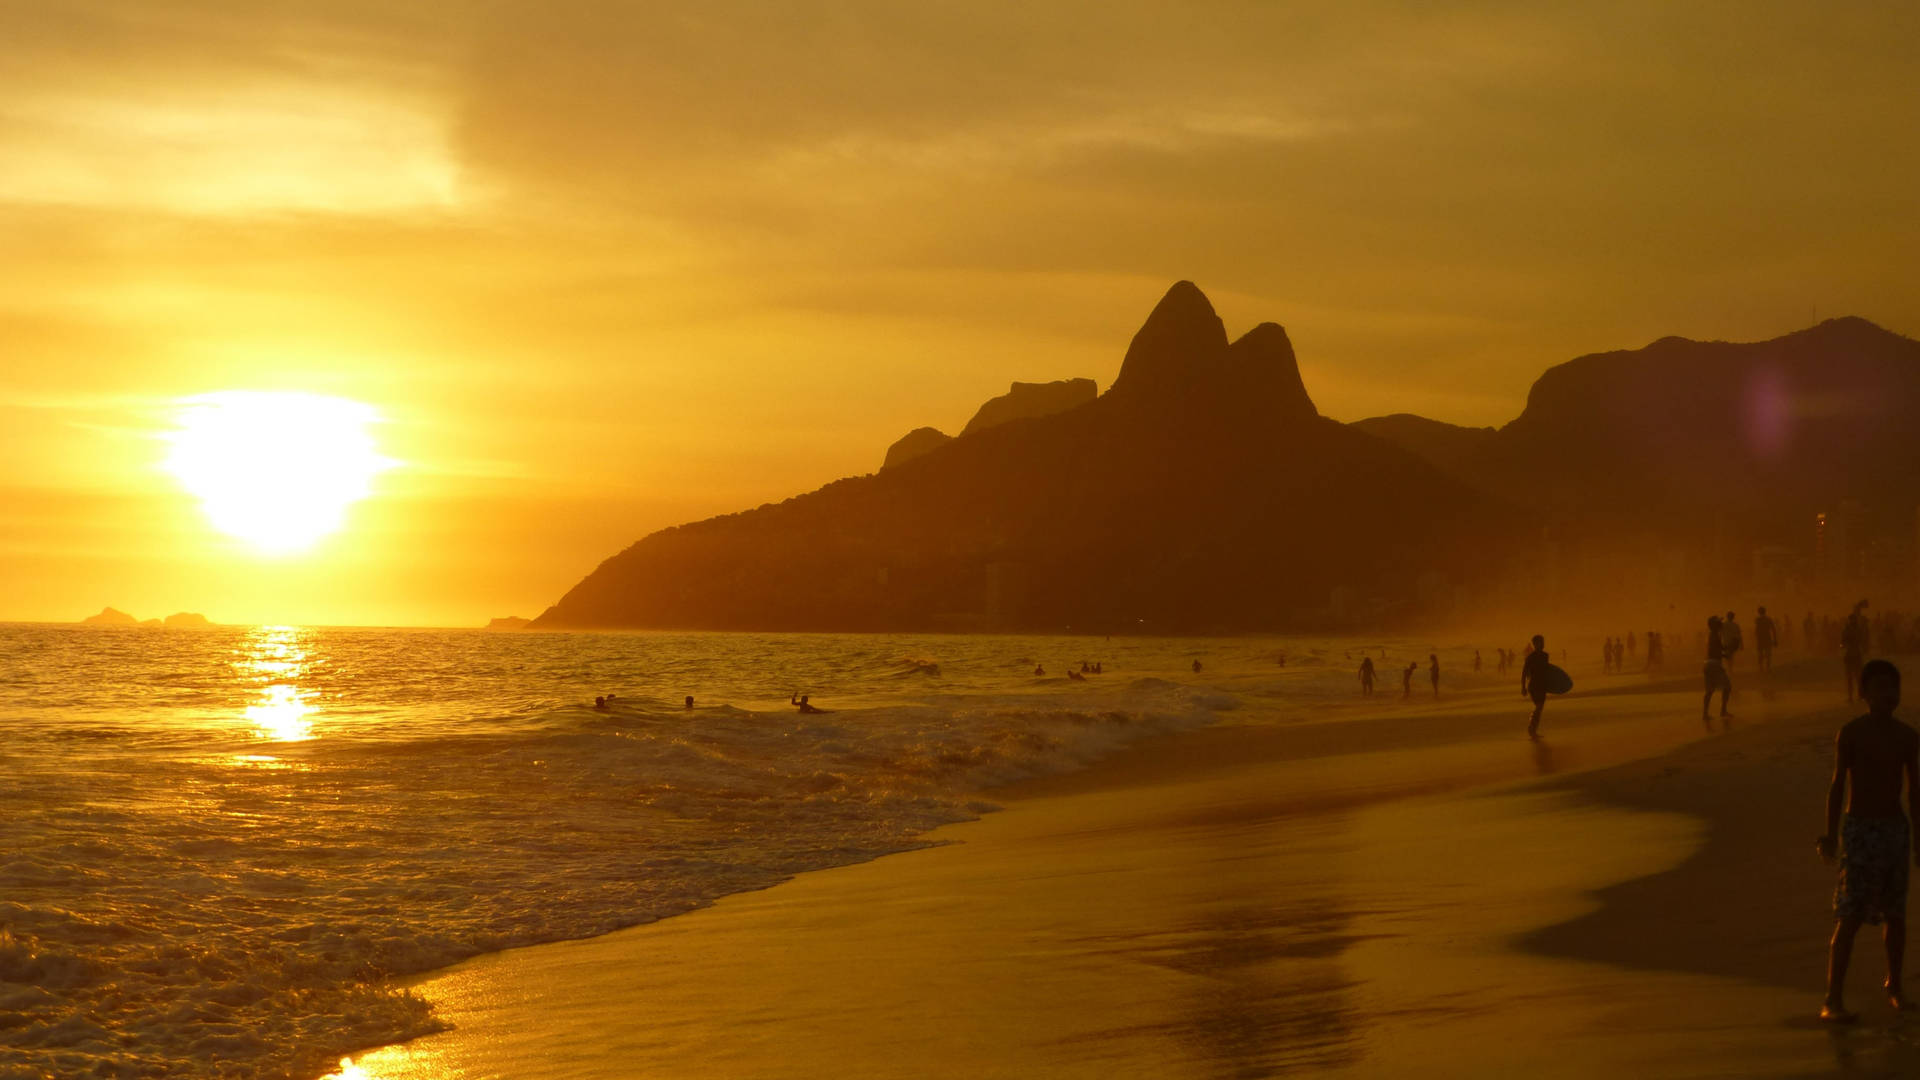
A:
(282, 715)
(348, 1071)
(274, 658)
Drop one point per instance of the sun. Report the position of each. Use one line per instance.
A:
(276, 470)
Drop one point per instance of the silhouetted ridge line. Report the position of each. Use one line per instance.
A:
(1174, 502)
(1716, 448)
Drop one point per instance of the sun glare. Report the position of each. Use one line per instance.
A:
(276, 470)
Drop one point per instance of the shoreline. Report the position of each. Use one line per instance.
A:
(747, 985)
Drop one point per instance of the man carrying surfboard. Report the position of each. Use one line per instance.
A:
(1533, 682)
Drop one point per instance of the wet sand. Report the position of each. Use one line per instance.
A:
(1407, 889)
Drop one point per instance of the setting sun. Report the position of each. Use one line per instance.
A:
(277, 470)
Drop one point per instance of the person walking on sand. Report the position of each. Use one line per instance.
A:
(1855, 640)
(1531, 685)
(1714, 672)
(1366, 676)
(1765, 637)
(1433, 672)
(1406, 679)
(1874, 757)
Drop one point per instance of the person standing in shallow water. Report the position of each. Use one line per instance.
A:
(1406, 679)
(1433, 672)
(1714, 672)
(1531, 670)
(1874, 757)
(1765, 637)
(1366, 676)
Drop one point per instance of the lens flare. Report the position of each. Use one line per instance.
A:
(276, 470)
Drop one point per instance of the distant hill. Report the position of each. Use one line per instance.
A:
(1030, 401)
(1456, 450)
(178, 620)
(913, 444)
(1024, 401)
(1686, 438)
(1202, 491)
(508, 622)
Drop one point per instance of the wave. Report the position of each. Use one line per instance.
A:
(247, 914)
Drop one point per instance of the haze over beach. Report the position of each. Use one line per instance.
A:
(594, 540)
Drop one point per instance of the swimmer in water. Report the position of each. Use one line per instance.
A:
(799, 701)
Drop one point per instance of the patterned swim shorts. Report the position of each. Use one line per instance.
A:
(1873, 868)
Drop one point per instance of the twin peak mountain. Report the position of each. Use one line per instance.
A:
(1180, 365)
(1203, 492)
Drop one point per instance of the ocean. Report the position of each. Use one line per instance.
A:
(222, 849)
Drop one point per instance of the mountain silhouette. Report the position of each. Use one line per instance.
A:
(1030, 401)
(1202, 491)
(1685, 438)
(914, 443)
(1025, 401)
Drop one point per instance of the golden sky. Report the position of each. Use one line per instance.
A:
(604, 267)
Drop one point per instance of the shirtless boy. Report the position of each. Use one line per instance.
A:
(1875, 756)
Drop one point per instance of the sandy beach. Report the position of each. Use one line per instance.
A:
(1398, 889)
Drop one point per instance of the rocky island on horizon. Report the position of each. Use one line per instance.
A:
(179, 620)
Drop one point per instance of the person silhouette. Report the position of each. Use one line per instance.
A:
(1406, 679)
(1875, 756)
(1196, 667)
(799, 701)
(1765, 637)
(1734, 640)
(1433, 672)
(689, 701)
(1714, 672)
(1531, 670)
(1855, 639)
(1476, 661)
(1366, 676)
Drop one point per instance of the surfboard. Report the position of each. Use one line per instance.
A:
(1554, 680)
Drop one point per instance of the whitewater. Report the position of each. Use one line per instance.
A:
(222, 850)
